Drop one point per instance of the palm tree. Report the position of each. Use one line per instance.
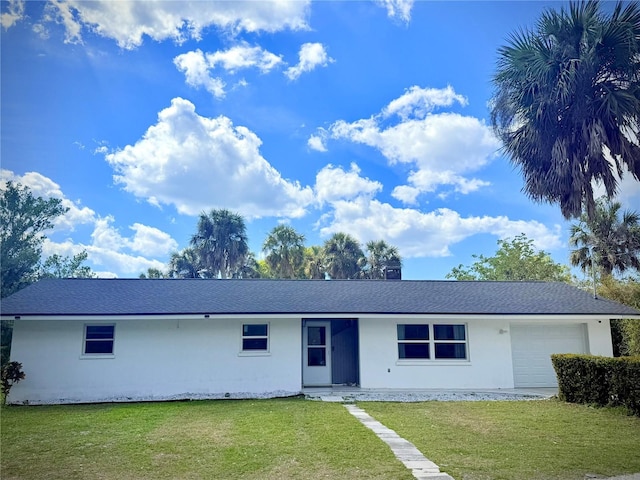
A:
(221, 242)
(606, 240)
(250, 268)
(314, 262)
(567, 107)
(344, 257)
(184, 264)
(381, 254)
(284, 248)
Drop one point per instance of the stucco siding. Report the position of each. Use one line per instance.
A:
(488, 365)
(164, 359)
(599, 338)
(153, 360)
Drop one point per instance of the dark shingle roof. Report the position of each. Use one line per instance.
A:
(157, 297)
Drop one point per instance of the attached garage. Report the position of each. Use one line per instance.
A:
(533, 345)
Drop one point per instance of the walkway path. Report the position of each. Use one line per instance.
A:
(421, 467)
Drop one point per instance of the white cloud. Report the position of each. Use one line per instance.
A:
(62, 13)
(105, 262)
(41, 30)
(417, 102)
(129, 21)
(441, 149)
(195, 67)
(430, 234)
(151, 241)
(406, 194)
(311, 55)
(333, 183)
(146, 240)
(353, 209)
(196, 163)
(14, 13)
(198, 66)
(108, 248)
(244, 56)
(398, 9)
(316, 142)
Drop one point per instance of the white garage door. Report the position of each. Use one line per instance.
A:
(532, 346)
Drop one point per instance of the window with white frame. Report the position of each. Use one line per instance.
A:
(99, 339)
(413, 341)
(432, 341)
(450, 341)
(255, 337)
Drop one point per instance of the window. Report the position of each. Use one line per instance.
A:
(316, 346)
(440, 342)
(413, 341)
(450, 341)
(98, 339)
(255, 337)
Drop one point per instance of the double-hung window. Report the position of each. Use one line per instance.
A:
(98, 339)
(450, 341)
(255, 337)
(432, 342)
(413, 341)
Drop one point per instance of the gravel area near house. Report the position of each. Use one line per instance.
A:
(423, 396)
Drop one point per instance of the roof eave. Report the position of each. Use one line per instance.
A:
(316, 315)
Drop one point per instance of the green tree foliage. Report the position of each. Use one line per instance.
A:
(185, 264)
(10, 374)
(626, 291)
(380, 254)
(153, 273)
(23, 219)
(6, 333)
(606, 239)
(57, 266)
(220, 243)
(567, 107)
(343, 257)
(314, 262)
(515, 260)
(284, 249)
(251, 268)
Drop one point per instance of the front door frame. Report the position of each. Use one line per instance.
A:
(345, 350)
(316, 367)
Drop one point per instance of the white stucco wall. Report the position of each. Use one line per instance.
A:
(490, 362)
(153, 360)
(161, 359)
(599, 338)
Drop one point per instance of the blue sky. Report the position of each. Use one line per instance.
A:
(369, 118)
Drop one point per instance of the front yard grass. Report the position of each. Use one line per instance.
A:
(263, 439)
(294, 438)
(517, 440)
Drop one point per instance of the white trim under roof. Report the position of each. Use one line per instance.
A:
(266, 316)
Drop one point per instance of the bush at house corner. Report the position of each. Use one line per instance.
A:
(597, 380)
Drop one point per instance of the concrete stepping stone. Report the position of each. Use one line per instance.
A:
(421, 467)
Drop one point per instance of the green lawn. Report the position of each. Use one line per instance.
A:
(267, 439)
(294, 438)
(517, 440)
